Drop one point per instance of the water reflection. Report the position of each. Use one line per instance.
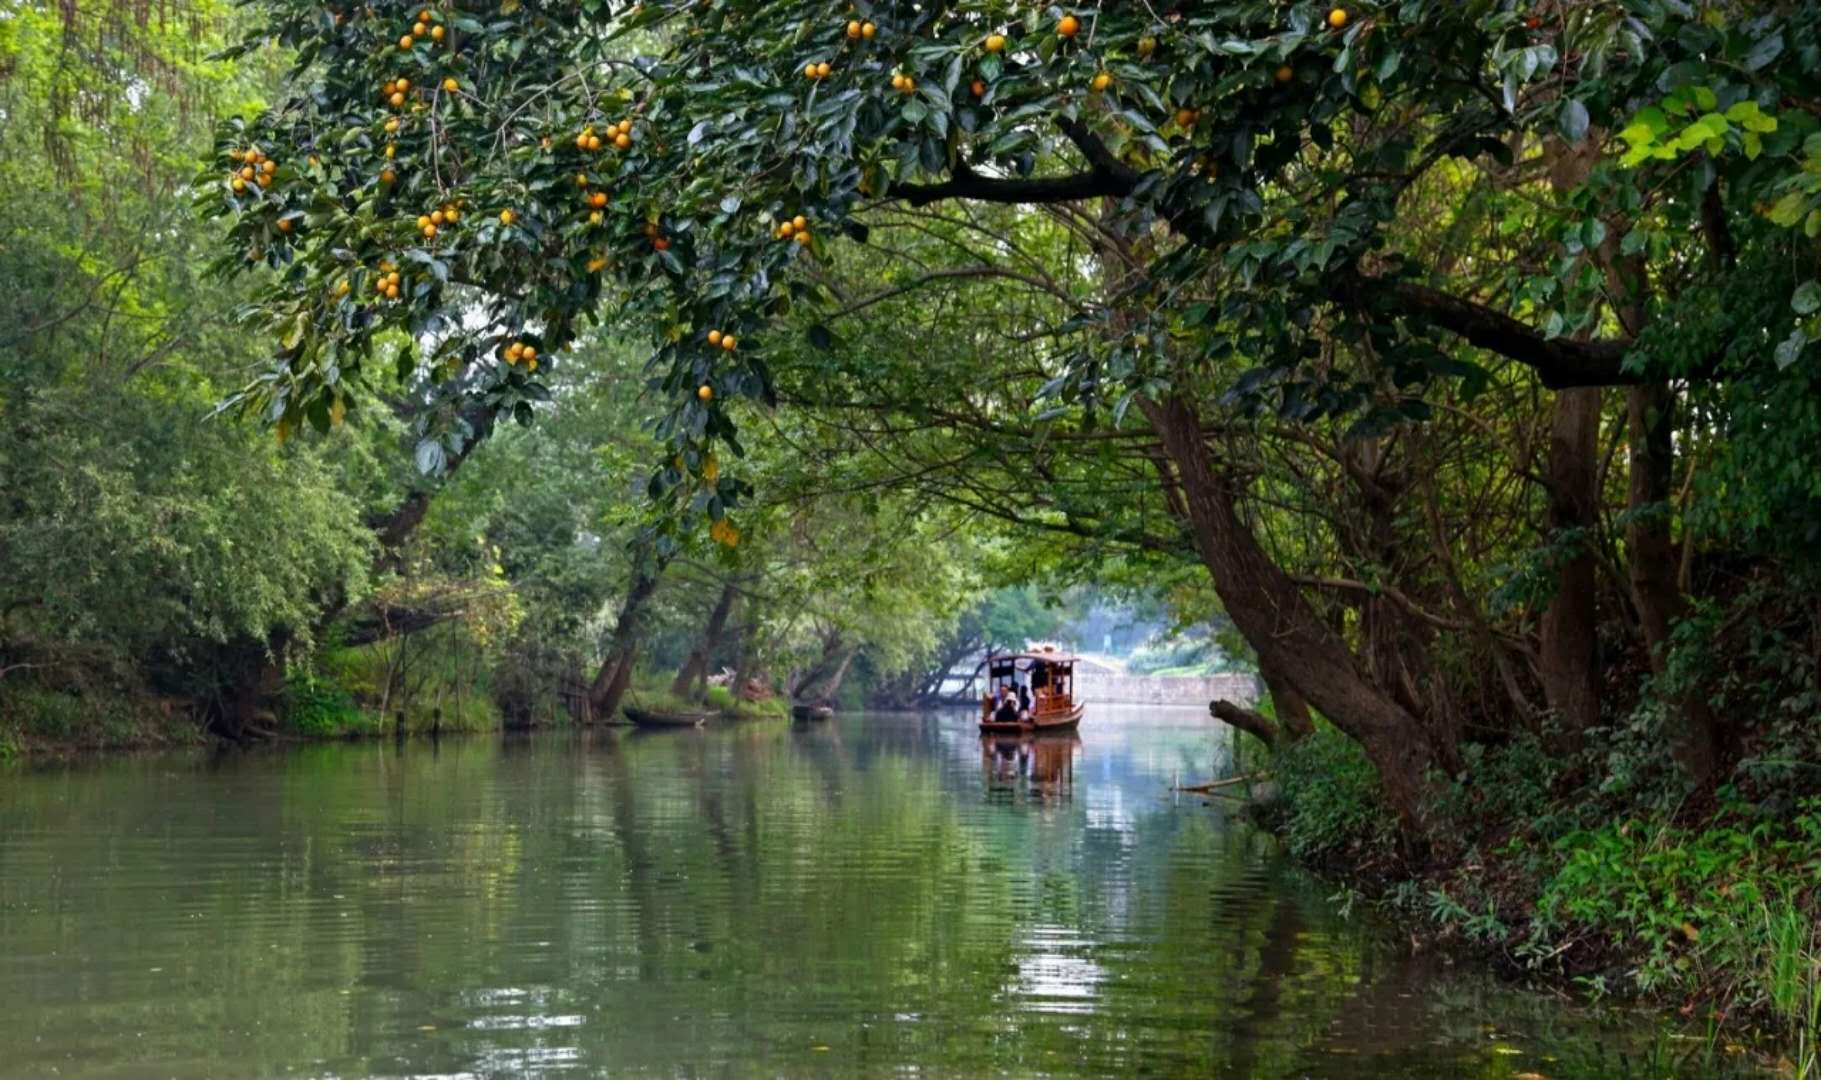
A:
(870, 895)
(1040, 765)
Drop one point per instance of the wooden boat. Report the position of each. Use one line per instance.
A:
(1049, 677)
(646, 718)
(804, 711)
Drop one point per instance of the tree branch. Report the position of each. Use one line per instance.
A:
(967, 184)
(1560, 362)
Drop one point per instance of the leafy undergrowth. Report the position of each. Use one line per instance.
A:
(39, 720)
(436, 686)
(1714, 907)
(721, 699)
(651, 690)
(320, 708)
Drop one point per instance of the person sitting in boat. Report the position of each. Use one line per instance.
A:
(1007, 712)
(1024, 703)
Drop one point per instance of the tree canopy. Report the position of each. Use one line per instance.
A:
(1348, 226)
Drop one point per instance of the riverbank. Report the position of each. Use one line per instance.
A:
(339, 701)
(1707, 907)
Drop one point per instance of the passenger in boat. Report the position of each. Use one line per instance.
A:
(1007, 712)
(1024, 702)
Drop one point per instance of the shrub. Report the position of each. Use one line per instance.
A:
(1725, 902)
(322, 709)
(1498, 787)
(1332, 794)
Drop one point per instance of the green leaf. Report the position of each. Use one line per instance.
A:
(1788, 210)
(1762, 53)
(430, 457)
(1789, 350)
(1807, 298)
(1573, 121)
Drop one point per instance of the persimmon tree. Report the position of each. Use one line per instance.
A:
(450, 194)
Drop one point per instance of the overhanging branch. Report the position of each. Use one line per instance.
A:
(1559, 362)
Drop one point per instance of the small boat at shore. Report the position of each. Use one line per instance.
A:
(647, 718)
(1049, 679)
(811, 712)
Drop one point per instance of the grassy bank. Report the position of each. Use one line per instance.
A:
(651, 690)
(343, 693)
(1712, 906)
(437, 682)
(41, 720)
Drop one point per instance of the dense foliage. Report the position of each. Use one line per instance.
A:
(1453, 358)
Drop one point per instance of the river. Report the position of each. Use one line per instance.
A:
(872, 895)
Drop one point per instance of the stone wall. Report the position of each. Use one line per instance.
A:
(1121, 689)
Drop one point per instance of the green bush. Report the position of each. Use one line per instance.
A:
(442, 678)
(322, 709)
(1731, 901)
(91, 716)
(1498, 787)
(48, 714)
(1332, 794)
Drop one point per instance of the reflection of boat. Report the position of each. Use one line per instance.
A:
(811, 712)
(1047, 761)
(646, 718)
(1050, 678)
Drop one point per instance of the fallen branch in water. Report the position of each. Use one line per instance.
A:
(1203, 789)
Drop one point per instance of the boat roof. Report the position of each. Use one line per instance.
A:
(1046, 657)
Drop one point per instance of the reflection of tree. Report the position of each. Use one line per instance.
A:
(685, 902)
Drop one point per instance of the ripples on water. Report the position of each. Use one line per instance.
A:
(874, 895)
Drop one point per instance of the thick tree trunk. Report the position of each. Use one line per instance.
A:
(1395, 643)
(1568, 652)
(615, 675)
(743, 655)
(820, 684)
(1569, 656)
(1287, 702)
(692, 677)
(1654, 562)
(1269, 609)
(831, 687)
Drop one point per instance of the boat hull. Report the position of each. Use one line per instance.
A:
(1036, 725)
(645, 718)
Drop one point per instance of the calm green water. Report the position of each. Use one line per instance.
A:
(874, 895)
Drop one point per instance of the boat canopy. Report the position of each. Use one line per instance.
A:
(1047, 657)
(1003, 667)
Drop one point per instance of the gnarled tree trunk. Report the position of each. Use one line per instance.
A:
(1287, 702)
(820, 684)
(1269, 609)
(692, 677)
(1654, 563)
(615, 674)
